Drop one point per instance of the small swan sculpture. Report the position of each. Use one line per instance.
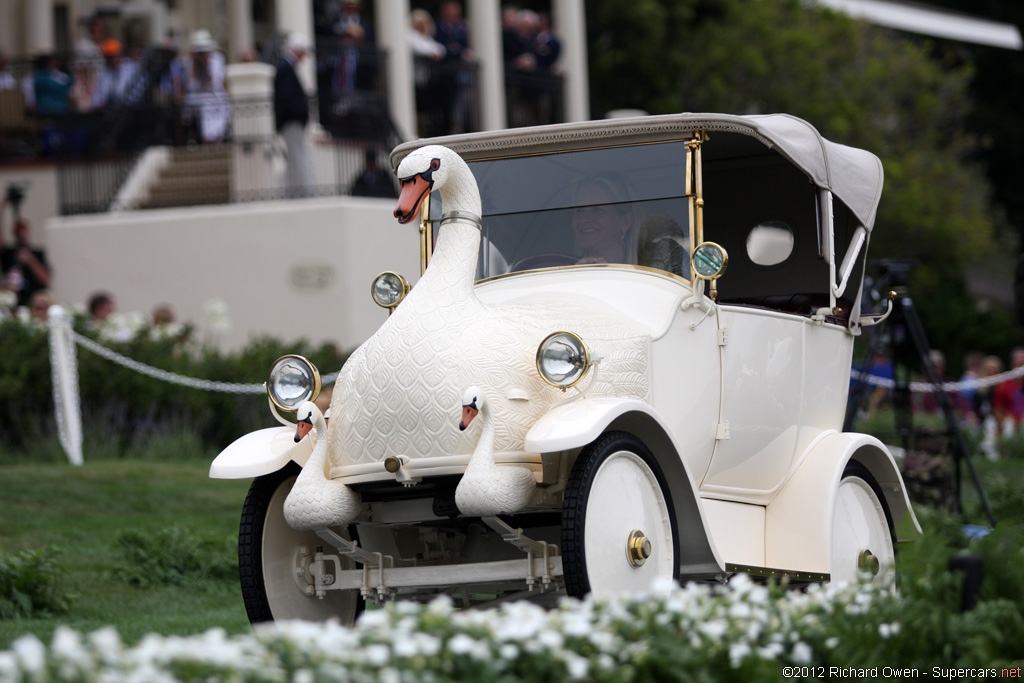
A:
(485, 489)
(316, 502)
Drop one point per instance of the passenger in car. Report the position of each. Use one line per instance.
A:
(603, 222)
(662, 244)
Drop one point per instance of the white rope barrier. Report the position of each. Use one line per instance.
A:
(64, 371)
(948, 387)
(173, 377)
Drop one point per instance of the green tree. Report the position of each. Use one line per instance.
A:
(897, 96)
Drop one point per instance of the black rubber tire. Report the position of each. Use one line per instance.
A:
(577, 498)
(250, 545)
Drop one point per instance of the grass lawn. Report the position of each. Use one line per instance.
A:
(83, 510)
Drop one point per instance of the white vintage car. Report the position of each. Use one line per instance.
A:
(627, 358)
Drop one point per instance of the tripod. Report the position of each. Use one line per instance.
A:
(909, 348)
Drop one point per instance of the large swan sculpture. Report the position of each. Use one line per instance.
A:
(395, 394)
(316, 502)
(486, 489)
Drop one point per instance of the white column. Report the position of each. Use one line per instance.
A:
(570, 23)
(39, 26)
(392, 18)
(8, 29)
(484, 18)
(297, 15)
(240, 28)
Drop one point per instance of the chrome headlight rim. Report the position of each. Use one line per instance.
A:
(306, 368)
(583, 353)
(400, 284)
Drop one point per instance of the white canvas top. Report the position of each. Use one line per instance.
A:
(853, 175)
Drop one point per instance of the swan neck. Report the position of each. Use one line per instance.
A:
(486, 443)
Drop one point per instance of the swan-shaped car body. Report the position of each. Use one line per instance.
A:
(660, 312)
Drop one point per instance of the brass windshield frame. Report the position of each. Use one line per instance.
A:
(693, 176)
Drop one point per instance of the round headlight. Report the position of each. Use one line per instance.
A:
(292, 380)
(562, 359)
(389, 289)
(709, 260)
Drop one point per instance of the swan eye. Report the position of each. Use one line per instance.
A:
(435, 164)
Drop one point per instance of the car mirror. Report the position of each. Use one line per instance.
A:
(709, 261)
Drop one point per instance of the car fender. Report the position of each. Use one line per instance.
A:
(798, 521)
(572, 425)
(260, 452)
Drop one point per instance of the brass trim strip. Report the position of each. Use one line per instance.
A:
(623, 266)
(769, 572)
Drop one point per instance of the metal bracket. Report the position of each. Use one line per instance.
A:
(869, 320)
(528, 545)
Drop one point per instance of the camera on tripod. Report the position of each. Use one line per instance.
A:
(16, 195)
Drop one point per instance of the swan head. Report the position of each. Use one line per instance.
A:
(472, 404)
(306, 417)
(423, 171)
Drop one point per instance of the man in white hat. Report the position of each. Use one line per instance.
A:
(291, 114)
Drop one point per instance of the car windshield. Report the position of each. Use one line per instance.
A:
(622, 205)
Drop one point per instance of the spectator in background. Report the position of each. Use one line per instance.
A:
(93, 31)
(40, 304)
(101, 306)
(547, 48)
(115, 79)
(509, 37)
(351, 15)
(427, 53)
(456, 90)
(374, 181)
(207, 108)
(7, 81)
(1008, 398)
(990, 367)
(24, 268)
(291, 115)
(972, 366)
(51, 87)
(86, 95)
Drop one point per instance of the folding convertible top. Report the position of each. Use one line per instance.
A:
(853, 175)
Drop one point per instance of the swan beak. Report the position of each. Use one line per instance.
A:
(414, 190)
(301, 429)
(468, 413)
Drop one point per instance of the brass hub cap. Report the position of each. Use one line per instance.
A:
(638, 548)
(867, 562)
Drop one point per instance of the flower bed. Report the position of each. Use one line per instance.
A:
(742, 631)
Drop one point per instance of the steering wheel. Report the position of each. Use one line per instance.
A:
(551, 258)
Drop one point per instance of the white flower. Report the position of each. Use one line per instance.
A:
(107, 644)
(377, 655)
(461, 644)
(714, 629)
(801, 653)
(886, 630)
(31, 653)
(508, 651)
(578, 666)
(832, 643)
(738, 652)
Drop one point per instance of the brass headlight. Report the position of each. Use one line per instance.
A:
(389, 289)
(292, 380)
(562, 359)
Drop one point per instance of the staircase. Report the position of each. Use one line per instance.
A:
(193, 176)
